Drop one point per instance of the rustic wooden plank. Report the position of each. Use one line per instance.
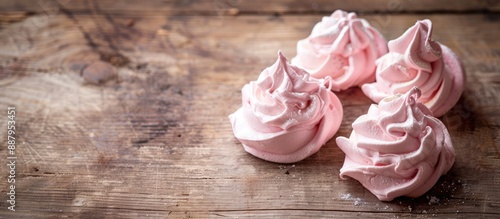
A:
(156, 140)
(232, 7)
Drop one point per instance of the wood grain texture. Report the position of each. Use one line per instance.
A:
(156, 141)
(220, 7)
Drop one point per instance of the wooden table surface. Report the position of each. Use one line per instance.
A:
(155, 140)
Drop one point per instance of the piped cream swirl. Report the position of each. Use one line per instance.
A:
(286, 115)
(343, 47)
(398, 148)
(414, 59)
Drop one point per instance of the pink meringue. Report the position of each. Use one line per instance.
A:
(398, 148)
(343, 47)
(414, 59)
(286, 115)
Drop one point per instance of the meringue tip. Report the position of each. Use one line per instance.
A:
(282, 57)
(415, 91)
(425, 21)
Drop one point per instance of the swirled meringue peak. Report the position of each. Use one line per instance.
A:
(343, 47)
(398, 148)
(414, 59)
(286, 115)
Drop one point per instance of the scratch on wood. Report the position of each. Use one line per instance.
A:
(86, 36)
(46, 114)
(221, 215)
(96, 11)
(484, 203)
(30, 150)
(157, 180)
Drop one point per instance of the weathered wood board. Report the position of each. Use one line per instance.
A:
(155, 141)
(220, 7)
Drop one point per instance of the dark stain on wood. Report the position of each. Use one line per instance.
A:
(116, 59)
(104, 160)
(98, 72)
(166, 27)
(491, 17)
